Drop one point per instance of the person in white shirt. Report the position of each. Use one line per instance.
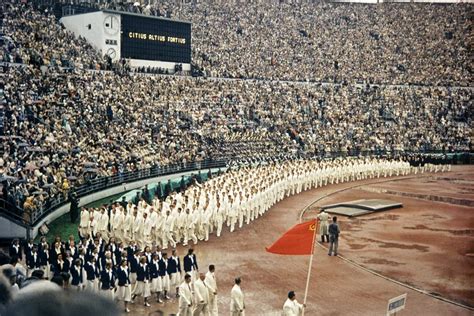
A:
(84, 223)
(189, 232)
(92, 225)
(323, 225)
(237, 304)
(180, 225)
(142, 287)
(118, 222)
(175, 271)
(156, 280)
(102, 224)
(206, 216)
(201, 293)
(212, 287)
(96, 214)
(291, 306)
(159, 223)
(133, 222)
(185, 297)
(147, 228)
(127, 224)
(219, 218)
(153, 220)
(167, 231)
(163, 272)
(138, 229)
(233, 212)
(124, 292)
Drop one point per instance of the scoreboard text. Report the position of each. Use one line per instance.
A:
(155, 39)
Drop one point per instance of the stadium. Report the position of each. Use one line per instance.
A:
(236, 157)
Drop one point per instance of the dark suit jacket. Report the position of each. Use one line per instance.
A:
(174, 267)
(33, 263)
(133, 264)
(163, 267)
(106, 281)
(76, 275)
(27, 250)
(91, 271)
(15, 253)
(54, 256)
(130, 252)
(44, 259)
(118, 256)
(154, 269)
(188, 263)
(123, 277)
(68, 264)
(143, 273)
(57, 268)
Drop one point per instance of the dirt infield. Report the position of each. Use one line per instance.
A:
(427, 244)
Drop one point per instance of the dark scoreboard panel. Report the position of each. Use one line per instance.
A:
(155, 39)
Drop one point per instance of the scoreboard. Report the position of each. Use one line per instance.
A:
(143, 40)
(156, 39)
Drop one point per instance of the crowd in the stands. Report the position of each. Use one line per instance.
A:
(62, 124)
(335, 42)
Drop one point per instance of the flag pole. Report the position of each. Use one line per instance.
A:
(310, 265)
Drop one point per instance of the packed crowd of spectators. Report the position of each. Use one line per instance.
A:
(396, 43)
(156, 8)
(36, 38)
(63, 124)
(390, 43)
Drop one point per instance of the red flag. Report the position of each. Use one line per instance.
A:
(297, 241)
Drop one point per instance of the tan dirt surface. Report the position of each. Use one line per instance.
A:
(427, 244)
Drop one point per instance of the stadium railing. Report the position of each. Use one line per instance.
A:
(12, 212)
(102, 183)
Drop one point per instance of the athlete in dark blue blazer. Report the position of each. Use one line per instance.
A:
(107, 278)
(190, 262)
(76, 273)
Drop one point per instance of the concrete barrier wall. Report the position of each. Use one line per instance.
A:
(9, 229)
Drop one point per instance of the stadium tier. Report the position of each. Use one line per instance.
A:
(243, 105)
(63, 120)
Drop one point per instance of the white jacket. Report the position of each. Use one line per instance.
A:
(138, 225)
(201, 292)
(127, 222)
(211, 282)
(168, 223)
(147, 225)
(292, 308)
(103, 222)
(236, 299)
(84, 219)
(153, 218)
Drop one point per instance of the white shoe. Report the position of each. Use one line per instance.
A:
(147, 305)
(127, 310)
